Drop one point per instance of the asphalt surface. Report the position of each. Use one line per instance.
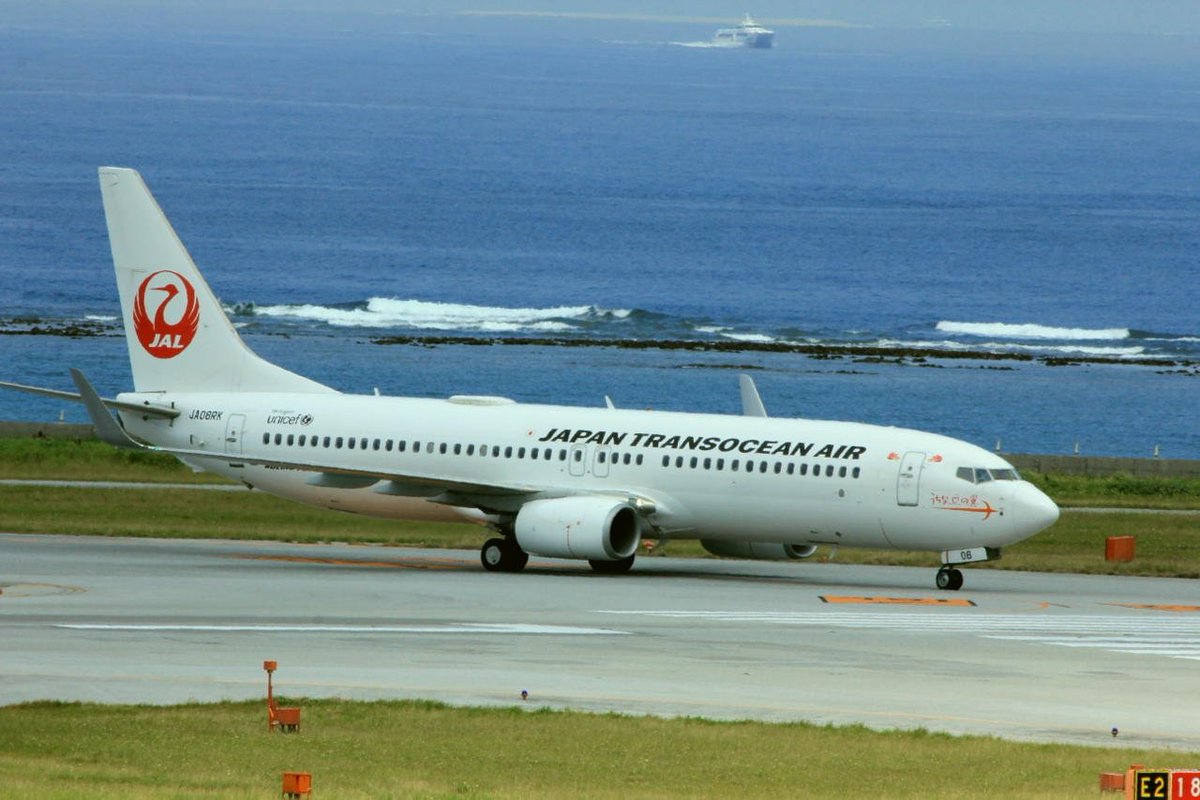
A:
(1026, 656)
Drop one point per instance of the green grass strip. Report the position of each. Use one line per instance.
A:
(424, 749)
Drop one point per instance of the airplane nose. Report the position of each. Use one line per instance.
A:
(1038, 511)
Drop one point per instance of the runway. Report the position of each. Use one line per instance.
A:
(1028, 656)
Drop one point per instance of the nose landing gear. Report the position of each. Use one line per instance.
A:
(949, 578)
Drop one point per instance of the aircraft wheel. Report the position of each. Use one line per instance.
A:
(492, 555)
(950, 579)
(618, 567)
(956, 579)
(502, 555)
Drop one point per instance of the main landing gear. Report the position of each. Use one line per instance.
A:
(949, 578)
(503, 555)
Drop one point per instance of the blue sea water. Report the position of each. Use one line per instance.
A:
(442, 176)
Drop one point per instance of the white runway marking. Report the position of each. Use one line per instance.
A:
(1175, 637)
(559, 630)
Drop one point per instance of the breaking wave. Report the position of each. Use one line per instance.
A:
(391, 313)
(1006, 330)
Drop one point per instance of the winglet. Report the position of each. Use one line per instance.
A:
(752, 405)
(106, 427)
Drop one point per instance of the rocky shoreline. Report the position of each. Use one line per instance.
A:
(916, 356)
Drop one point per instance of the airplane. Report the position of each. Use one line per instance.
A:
(552, 481)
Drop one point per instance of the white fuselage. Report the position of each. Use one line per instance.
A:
(713, 476)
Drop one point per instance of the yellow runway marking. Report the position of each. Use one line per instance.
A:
(900, 601)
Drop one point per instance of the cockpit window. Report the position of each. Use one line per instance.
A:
(981, 475)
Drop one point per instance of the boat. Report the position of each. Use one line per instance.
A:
(747, 33)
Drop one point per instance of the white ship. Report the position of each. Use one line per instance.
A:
(748, 33)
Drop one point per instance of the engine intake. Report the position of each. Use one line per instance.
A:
(759, 551)
(599, 528)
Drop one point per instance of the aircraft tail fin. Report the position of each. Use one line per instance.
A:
(178, 335)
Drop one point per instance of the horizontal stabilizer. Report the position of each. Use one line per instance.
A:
(139, 408)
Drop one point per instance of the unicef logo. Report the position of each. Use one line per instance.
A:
(306, 419)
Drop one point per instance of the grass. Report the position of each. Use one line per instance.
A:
(424, 749)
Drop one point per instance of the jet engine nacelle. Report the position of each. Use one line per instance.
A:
(600, 528)
(761, 551)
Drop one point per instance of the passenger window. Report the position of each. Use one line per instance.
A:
(666, 461)
(388, 445)
(266, 438)
(639, 460)
(338, 443)
(791, 469)
(533, 453)
(762, 466)
(562, 455)
(279, 438)
(375, 445)
(326, 442)
(302, 440)
(708, 463)
(495, 451)
(470, 449)
(508, 452)
(804, 469)
(458, 449)
(693, 462)
(401, 446)
(521, 453)
(854, 474)
(720, 463)
(600, 456)
(829, 471)
(350, 443)
(547, 454)
(749, 466)
(579, 455)
(841, 472)
(291, 440)
(733, 465)
(678, 462)
(778, 467)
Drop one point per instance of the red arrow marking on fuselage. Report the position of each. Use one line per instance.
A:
(987, 509)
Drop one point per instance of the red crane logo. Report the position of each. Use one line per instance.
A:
(160, 337)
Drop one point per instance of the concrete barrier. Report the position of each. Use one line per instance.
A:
(45, 430)
(1098, 466)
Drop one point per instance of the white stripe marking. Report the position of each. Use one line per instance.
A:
(1175, 637)
(452, 628)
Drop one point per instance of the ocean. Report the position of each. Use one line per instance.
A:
(431, 205)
